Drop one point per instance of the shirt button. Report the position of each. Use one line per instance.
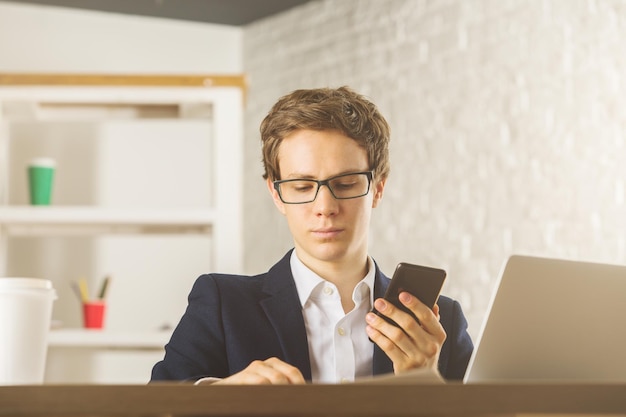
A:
(341, 331)
(328, 290)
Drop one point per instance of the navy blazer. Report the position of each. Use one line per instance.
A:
(232, 320)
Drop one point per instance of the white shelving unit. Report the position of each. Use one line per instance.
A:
(96, 339)
(92, 99)
(54, 220)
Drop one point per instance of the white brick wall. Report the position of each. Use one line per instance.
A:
(508, 120)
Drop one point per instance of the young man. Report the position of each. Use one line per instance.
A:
(326, 159)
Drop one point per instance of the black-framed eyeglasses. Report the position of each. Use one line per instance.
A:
(342, 187)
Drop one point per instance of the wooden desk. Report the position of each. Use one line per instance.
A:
(314, 400)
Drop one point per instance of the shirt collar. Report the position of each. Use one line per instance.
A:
(307, 280)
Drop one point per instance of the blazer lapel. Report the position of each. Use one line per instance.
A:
(284, 311)
(381, 364)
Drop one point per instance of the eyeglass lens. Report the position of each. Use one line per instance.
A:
(342, 187)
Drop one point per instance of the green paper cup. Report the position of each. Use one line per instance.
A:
(40, 180)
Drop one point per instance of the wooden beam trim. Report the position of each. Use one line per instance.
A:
(21, 79)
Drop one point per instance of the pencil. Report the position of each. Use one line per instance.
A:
(84, 294)
(105, 286)
(76, 290)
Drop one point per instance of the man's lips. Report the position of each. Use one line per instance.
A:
(327, 232)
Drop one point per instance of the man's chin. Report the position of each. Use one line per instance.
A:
(330, 251)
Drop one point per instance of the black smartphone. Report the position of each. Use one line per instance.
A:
(420, 281)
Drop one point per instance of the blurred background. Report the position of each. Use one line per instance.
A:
(507, 116)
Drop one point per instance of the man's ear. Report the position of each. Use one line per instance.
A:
(277, 202)
(379, 187)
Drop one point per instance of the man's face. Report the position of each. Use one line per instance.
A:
(327, 229)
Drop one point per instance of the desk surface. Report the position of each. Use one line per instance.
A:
(313, 400)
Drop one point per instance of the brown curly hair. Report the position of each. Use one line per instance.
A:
(339, 109)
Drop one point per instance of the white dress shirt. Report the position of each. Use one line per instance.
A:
(339, 349)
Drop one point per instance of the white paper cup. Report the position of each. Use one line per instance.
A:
(25, 316)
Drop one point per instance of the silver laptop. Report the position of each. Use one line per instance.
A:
(553, 320)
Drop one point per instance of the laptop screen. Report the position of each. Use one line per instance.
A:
(553, 320)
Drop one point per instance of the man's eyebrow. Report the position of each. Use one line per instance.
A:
(298, 176)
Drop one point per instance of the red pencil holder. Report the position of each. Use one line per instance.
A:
(93, 314)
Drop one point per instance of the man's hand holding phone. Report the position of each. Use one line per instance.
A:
(405, 323)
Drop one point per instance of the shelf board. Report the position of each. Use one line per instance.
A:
(106, 339)
(89, 220)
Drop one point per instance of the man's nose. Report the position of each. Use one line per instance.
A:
(325, 202)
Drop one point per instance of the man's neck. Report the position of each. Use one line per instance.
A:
(344, 274)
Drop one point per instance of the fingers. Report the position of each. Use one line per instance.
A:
(414, 344)
(391, 339)
(428, 318)
(270, 371)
